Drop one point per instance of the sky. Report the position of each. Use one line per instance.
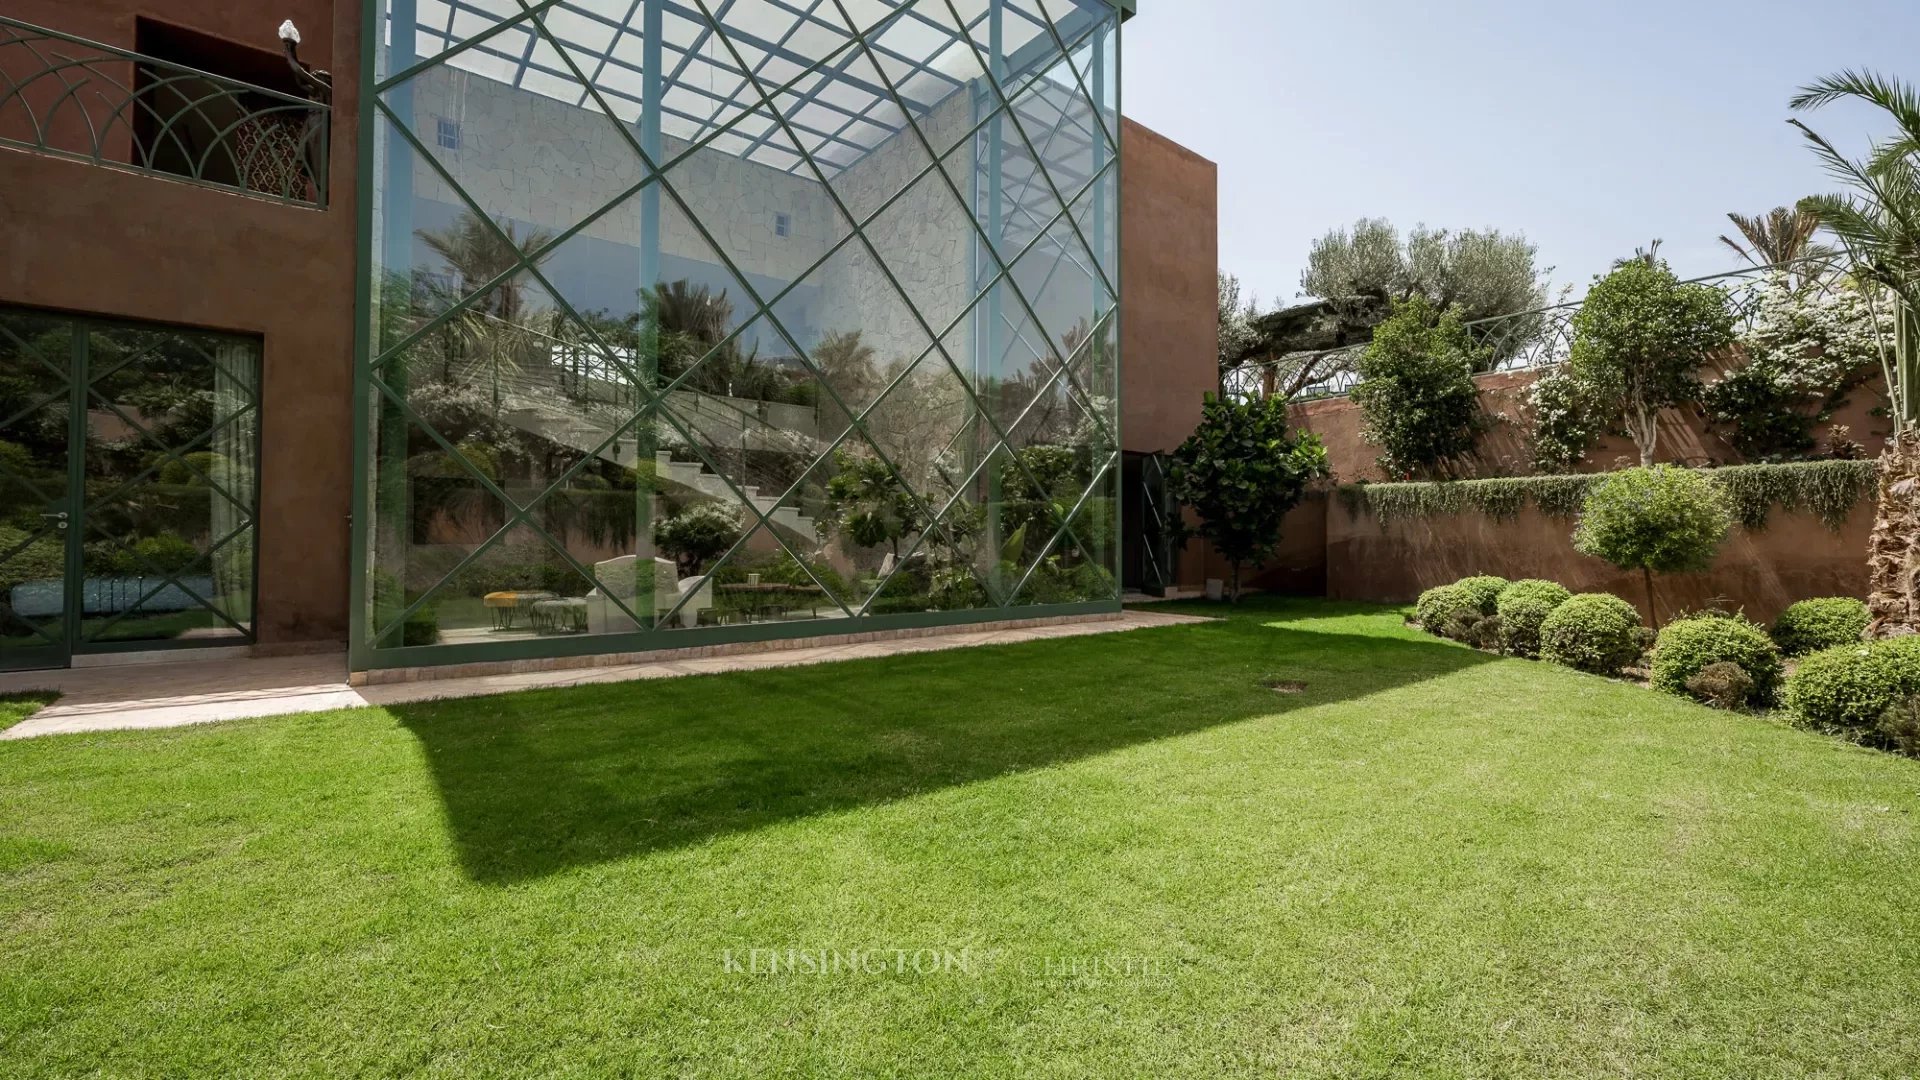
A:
(1592, 127)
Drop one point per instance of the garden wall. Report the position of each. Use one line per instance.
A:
(1297, 568)
(1793, 558)
(1503, 450)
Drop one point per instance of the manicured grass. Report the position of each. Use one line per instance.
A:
(17, 707)
(1427, 862)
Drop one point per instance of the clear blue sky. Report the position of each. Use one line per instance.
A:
(1592, 127)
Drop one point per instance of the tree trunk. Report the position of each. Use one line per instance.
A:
(1653, 612)
(1646, 436)
(1893, 552)
(1233, 589)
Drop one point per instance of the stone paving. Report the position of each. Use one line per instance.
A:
(196, 692)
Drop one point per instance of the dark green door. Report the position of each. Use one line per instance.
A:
(128, 461)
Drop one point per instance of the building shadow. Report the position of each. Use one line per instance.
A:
(541, 781)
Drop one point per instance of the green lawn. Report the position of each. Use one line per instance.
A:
(1429, 862)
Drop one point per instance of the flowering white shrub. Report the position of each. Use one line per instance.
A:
(1806, 347)
(1564, 423)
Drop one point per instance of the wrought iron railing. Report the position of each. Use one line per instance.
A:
(1543, 338)
(69, 97)
(1528, 340)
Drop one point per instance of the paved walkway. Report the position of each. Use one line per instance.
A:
(199, 692)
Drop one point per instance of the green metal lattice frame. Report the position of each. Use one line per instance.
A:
(369, 387)
(80, 380)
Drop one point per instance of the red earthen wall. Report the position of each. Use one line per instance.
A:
(77, 237)
(1794, 558)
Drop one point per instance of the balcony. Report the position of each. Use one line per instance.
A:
(69, 97)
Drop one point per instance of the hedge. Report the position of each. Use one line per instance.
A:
(1827, 489)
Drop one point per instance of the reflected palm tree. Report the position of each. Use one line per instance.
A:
(491, 336)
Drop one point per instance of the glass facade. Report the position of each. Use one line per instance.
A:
(749, 314)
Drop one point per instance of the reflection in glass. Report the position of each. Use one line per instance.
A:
(35, 409)
(171, 457)
(762, 320)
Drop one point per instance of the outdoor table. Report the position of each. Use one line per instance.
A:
(507, 606)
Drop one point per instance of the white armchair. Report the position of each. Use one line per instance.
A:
(617, 576)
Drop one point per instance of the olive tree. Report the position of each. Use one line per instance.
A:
(1473, 273)
(1241, 471)
(1639, 341)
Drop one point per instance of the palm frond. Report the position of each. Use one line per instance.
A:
(1891, 94)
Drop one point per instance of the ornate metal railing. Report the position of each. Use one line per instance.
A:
(69, 97)
(1543, 338)
(1523, 341)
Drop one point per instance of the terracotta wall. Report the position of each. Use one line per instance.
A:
(86, 239)
(1170, 252)
(1504, 451)
(1794, 558)
(1298, 566)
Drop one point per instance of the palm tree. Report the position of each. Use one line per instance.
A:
(490, 337)
(477, 251)
(1878, 226)
(1649, 255)
(1780, 237)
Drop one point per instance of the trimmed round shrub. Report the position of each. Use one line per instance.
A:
(1484, 589)
(1595, 632)
(1441, 603)
(1723, 685)
(1522, 607)
(1687, 647)
(1812, 625)
(1852, 686)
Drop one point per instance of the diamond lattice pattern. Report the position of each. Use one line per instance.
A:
(726, 312)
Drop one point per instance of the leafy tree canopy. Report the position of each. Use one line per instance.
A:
(1416, 391)
(1640, 339)
(1472, 273)
(1241, 471)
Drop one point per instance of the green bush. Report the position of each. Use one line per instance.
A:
(1852, 686)
(1477, 630)
(43, 558)
(1593, 632)
(1812, 625)
(163, 554)
(1660, 520)
(189, 469)
(1416, 394)
(1899, 727)
(1441, 603)
(1722, 685)
(1484, 589)
(1522, 607)
(696, 536)
(1687, 646)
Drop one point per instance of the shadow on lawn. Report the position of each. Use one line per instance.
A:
(541, 781)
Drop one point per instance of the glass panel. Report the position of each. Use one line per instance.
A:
(35, 408)
(728, 372)
(1078, 567)
(173, 429)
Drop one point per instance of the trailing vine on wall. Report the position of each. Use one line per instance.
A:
(1827, 489)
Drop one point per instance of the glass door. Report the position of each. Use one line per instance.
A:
(38, 359)
(143, 538)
